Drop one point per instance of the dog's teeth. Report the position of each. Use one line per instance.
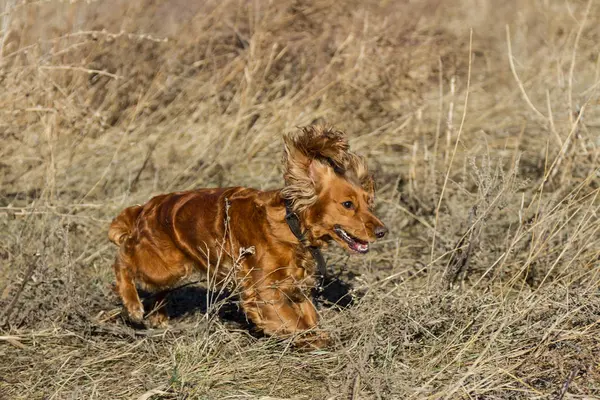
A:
(345, 235)
(352, 243)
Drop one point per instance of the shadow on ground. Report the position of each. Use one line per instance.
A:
(194, 299)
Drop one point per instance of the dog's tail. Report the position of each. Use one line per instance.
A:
(122, 226)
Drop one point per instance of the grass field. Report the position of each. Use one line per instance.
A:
(479, 118)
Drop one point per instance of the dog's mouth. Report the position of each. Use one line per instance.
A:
(355, 244)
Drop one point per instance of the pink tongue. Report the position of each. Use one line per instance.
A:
(360, 247)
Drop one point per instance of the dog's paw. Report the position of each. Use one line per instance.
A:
(313, 341)
(158, 320)
(136, 313)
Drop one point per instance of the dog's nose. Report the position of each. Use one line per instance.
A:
(380, 231)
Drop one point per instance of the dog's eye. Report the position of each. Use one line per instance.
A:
(349, 205)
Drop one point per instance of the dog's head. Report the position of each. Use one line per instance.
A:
(330, 189)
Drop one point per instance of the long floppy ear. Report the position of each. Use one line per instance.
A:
(321, 143)
(306, 160)
(299, 188)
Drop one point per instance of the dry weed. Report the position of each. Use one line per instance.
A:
(487, 287)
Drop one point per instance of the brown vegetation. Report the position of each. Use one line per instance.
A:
(485, 148)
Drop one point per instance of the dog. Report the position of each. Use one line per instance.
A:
(328, 196)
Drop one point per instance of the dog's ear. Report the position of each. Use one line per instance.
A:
(357, 170)
(299, 187)
(368, 184)
(295, 161)
(321, 143)
(311, 156)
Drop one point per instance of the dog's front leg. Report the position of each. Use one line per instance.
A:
(281, 310)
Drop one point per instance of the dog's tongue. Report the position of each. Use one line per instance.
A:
(360, 247)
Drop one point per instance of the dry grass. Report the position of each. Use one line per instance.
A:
(487, 287)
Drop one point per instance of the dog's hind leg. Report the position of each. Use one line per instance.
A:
(127, 290)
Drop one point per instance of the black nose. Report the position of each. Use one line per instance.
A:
(380, 231)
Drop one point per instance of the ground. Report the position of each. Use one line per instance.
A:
(479, 119)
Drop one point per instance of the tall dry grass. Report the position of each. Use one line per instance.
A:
(488, 285)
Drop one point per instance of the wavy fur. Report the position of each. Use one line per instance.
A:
(173, 235)
(322, 144)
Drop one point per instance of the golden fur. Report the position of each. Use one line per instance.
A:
(322, 144)
(171, 236)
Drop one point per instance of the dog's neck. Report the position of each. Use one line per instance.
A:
(291, 224)
(293, 221)
(276, 212)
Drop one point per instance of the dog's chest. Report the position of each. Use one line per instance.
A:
(303, 267)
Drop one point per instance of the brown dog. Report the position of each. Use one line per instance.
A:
(328, 193)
